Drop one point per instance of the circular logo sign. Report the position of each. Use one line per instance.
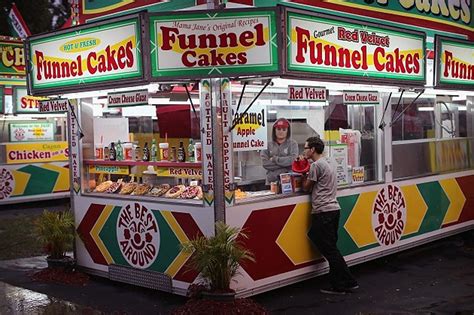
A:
(389, 215)
(6, 183)
(138, 235)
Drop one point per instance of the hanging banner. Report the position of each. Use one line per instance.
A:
(26, 132)
(214, 44)
(360, 97)
(250, 131)
(206, 138)
(341, 49)
(454, 63)
(87, 57)
(132, 98)
(17, 25)
(24, 103)
(226, 102)
(74, 138)
(12, 57)
(307, 93)
(37, 152)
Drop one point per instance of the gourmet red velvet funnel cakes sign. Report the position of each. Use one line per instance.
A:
(340, 48)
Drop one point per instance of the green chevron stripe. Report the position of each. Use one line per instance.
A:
(41, 180)
(169, 245)
(345, 243)
(108, 235)
(438, 204)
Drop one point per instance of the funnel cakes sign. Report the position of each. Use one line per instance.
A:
(91, 55)
(454, 63)
(213, 44)
(341, 48)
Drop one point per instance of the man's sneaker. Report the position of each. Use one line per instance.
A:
(352, 288)
(332, 290)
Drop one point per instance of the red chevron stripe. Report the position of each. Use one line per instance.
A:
(270, 260)
(466, 184)
(84, 231)
(192, 230)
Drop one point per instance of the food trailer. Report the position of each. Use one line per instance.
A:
(402, 150)
(33, 146)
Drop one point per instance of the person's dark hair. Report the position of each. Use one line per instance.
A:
(316, 143)
(288, 134)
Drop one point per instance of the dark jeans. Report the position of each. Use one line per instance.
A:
(323, 233)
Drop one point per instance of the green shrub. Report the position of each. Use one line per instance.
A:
(217, 258)
(55, 230)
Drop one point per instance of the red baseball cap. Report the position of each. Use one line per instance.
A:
(281, 123)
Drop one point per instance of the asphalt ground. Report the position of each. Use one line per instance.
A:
(436, 278)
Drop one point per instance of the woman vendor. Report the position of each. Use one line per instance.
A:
(281, 151)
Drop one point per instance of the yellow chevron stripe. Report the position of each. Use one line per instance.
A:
(209, 197)
(456, 200)
(293, 239)
(416, 209)
(62, 183)
(96, 230)
(359, 223)
(21, 181)
(182, 257)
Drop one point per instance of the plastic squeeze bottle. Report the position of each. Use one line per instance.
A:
(119, 150)
(191, 150)
(153, 151)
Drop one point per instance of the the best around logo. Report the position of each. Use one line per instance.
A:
(138, 235)
(389, 215)
(6, 183)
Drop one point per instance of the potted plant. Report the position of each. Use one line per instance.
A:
(217, 259)
(55, 230)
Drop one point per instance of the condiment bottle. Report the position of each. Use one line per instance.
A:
(173, 154)
(181, 152)
(119, 151)
(112, 152)
(191, 150)
(154, 151)
(146, 153)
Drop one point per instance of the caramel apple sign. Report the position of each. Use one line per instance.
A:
(53, 106)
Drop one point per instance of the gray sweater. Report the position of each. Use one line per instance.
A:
(277, 158)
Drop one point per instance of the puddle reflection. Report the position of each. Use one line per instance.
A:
(15, 300)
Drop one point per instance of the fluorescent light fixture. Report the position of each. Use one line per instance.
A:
(166, 101)
(426, 109)
(271, 111)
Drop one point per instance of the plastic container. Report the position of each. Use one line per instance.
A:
(198, 152)
(128, 151)
(99, 151)
(149, 176)
(164, 151)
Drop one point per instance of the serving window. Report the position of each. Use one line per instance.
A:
(347, 129)
(430, 135)
(151, 151)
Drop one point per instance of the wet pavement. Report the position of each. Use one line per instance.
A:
(437, 278)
